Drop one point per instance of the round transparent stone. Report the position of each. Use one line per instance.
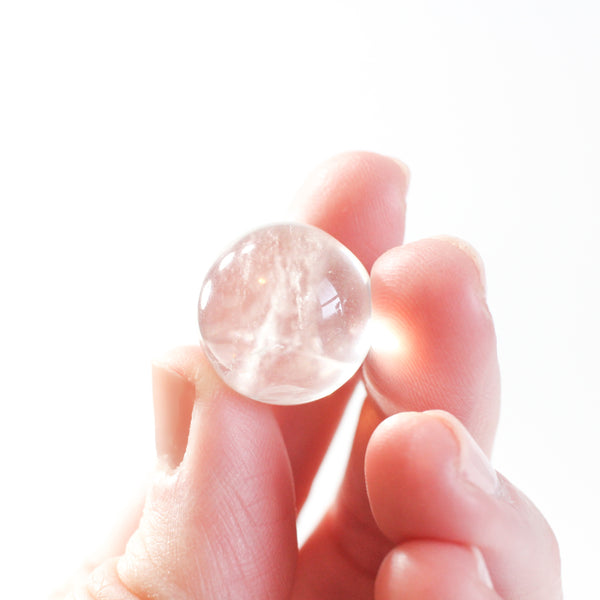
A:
(284, 314)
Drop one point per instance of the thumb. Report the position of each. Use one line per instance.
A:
(221, 524)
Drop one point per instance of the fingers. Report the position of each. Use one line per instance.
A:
(436, 349)
(376, 199)
(342, 556)
(222, 524)
(432, 570)
(359, 198)
(307, 430)
(428, 479)
(173, 404)
(436, 346)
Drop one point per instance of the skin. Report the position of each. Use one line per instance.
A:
(420, 514)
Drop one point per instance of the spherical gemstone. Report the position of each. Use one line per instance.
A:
(284, 314)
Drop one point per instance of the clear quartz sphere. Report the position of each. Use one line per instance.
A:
(284, 314)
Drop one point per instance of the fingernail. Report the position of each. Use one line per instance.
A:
(474, 466)
(470, 252)
(404, 168)
(482, 570)
(173, 403)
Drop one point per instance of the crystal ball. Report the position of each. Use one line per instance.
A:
(284, 314)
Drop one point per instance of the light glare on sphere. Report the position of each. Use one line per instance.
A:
(284, 314)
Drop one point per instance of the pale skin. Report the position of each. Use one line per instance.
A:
(421, 513)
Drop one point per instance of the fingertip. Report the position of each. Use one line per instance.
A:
(404, 168)
(409, 465)
(176, 377)
(472, 254)
(428, 455)
(428, 569)
(434, 342)
(173, 398)
(359, 198)
(229, 478)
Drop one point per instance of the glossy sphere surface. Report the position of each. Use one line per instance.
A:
(284, 314)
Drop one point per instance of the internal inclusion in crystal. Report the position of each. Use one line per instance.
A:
(284, 314)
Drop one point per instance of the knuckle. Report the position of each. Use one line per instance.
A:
(104, 583)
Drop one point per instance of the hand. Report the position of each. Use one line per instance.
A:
(420, 514)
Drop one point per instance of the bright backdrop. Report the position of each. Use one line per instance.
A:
(136, 138)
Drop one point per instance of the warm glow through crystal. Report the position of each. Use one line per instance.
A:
(284, 314)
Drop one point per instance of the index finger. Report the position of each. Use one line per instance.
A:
(359, 198)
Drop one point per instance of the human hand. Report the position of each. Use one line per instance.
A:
(420, 513)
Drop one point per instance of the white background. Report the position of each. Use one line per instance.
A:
(136, 138)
